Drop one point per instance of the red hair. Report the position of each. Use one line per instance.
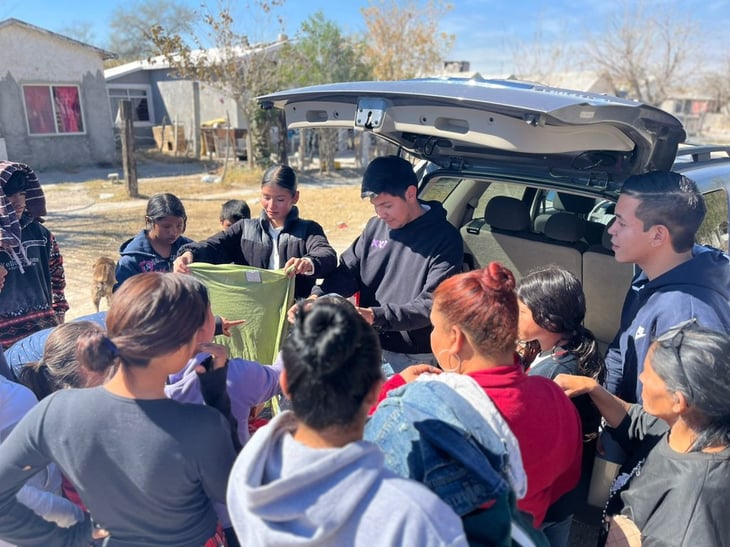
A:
(483, 303)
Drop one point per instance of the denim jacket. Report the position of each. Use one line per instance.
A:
(429, 433)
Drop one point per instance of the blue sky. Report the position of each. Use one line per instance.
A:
(485, 30)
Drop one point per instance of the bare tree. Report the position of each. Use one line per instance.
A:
(130, 28)
(717, 85)
(234, 64)
(645, 53)
(539, 58)
(404, 40)
(83, 31)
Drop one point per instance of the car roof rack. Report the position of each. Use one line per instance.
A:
(702, 152)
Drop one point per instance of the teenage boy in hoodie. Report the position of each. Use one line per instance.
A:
(396, 263)
(657, 217)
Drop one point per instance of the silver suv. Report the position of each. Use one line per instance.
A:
(529, 174)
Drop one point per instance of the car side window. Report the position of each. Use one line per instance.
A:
(714, 229)
(439, 189)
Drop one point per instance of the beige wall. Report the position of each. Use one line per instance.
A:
(32, 56)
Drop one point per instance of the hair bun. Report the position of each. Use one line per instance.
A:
(498, 278)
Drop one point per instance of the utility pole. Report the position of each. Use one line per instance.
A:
(128, 160)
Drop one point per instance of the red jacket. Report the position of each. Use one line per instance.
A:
(546, 425)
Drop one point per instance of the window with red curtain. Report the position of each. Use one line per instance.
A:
(39, 109)
(53, 109)
(68, 109)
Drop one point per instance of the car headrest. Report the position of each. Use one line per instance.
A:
(606, 237)
(507, 213)
(575, 204)
(565, 227)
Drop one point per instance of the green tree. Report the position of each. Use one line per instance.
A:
(404, 40)
(322, 54)
(130, 28)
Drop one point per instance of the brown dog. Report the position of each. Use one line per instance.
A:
(104, 280)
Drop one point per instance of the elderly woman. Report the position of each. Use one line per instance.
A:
(474, 317)
(674, 491)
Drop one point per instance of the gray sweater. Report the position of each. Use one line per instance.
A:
(284, 493)
(146, 469)
(677, 500)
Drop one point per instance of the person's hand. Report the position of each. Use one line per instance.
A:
(367, 314)
(573, 385)
(226, 325)
(296, 266)
(292, 312)
(414, 371)
(623, 532)
(219, 353)
(99, 533)
(180, 265)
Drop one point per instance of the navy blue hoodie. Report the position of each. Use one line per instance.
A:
(698, 288)
(138, 256)
(396, 272)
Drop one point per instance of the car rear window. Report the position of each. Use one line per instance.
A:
(713, 230)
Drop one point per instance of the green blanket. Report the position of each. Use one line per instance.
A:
(261, 297)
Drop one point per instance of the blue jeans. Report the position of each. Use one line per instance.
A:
(400, 361)
(558, 533)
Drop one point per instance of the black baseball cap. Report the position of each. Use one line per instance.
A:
(387, 174)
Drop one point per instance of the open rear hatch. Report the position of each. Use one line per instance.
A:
(489, 126)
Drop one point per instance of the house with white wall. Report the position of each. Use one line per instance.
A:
(54, 109)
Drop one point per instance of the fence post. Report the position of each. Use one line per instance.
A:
(128, 160)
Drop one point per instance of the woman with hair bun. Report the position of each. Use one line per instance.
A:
(279, 238)
(308, 477)
(474, 319)
(147, 467)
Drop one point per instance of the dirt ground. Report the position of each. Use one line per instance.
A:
(94, 217)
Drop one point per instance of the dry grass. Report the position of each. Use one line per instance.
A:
(93, 218)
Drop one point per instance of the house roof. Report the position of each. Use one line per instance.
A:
(104, 54)
(160, 62)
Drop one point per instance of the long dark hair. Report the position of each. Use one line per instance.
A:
(332, 360)
(58, 368)
(281, 175)
(557, 302)
(152, 313)
(160, 206)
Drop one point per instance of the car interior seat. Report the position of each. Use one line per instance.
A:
(605, 283)
(504, 235)
(577, 205)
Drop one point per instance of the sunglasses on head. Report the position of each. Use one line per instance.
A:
(672, 339)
